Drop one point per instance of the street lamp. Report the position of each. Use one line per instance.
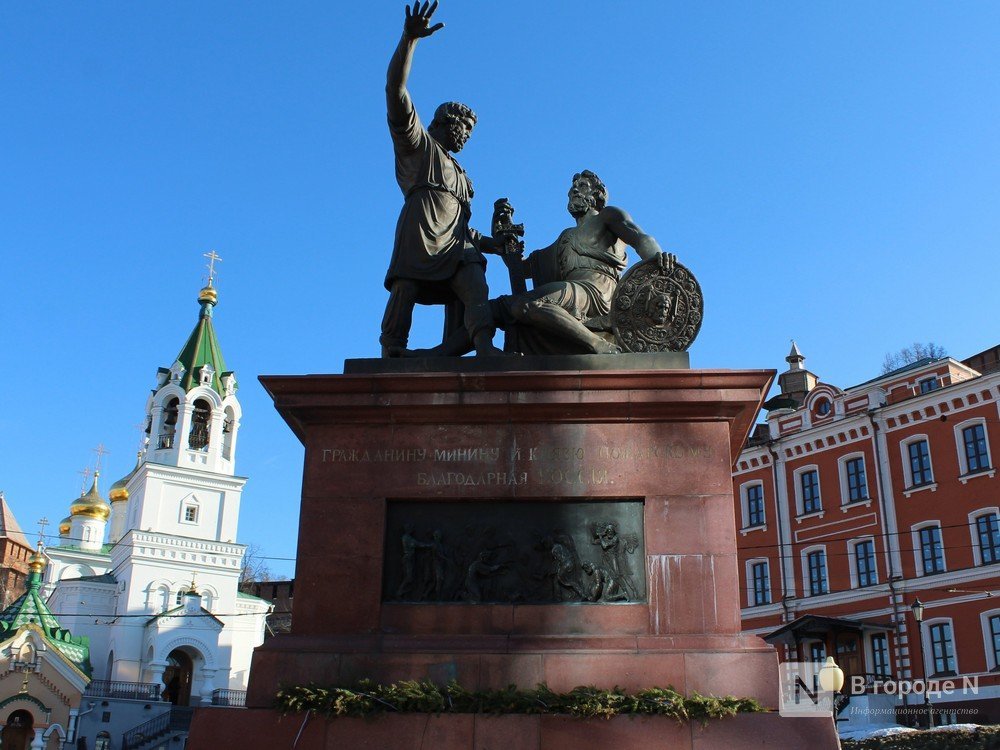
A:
(917, 608)
(831, 677)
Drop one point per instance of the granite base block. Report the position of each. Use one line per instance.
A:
(264, 729)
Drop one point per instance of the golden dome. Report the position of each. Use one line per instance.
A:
(119, 490)
(65, 525)
(209, 295)
(37, 562)
(91, 505)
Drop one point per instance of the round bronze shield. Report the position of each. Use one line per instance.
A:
(656, 308)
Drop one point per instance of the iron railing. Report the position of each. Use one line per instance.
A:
(177, 719)
(229, 698)
(147, 731)
(166, 441)
(137, 691)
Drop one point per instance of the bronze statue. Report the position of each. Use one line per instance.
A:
(576, 276)
(437, 258)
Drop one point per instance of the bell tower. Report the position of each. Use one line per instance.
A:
(185, 481)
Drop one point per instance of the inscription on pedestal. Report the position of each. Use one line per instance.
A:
(523, 552)
(492, 466)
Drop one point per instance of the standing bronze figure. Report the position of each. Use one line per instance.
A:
(437, 258)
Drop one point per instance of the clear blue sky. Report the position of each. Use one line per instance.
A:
(829, 171)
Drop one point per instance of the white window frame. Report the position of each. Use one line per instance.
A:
(870, 651)
(190, 502)
(926, 379)
(904, 447)
(799, 500)
(984, 620)
(749, 579)
(963, 462)
(927, 646)
(804, 562)
(853, 560)
(745, 506)
(977, 551)
(918, 558)
(845, 494)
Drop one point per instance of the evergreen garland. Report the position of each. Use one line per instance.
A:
(368, 698)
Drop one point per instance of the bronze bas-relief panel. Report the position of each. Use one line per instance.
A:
(515, 553)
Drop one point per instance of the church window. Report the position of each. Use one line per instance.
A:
(169, 429)
(200, 419)
(189, 511)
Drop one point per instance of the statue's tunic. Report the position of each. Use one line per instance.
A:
(432, 235)
(591, 271)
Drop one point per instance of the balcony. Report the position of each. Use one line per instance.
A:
(229, 698)
(135, 691)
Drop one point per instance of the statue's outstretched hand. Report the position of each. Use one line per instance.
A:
(418, 20)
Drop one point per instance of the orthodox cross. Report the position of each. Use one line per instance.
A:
(26, 670)
(42, 523)
(100, 450)
(212, 257)
(86, 476)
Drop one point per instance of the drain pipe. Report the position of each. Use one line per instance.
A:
(886, 539)
(74, 724)
(779, 528)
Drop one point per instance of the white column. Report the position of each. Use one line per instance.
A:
(184, 419)
(39, 742)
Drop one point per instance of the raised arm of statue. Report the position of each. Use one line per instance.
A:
(624, 228)
(416, 26)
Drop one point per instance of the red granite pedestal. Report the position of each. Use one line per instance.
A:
(665, 437)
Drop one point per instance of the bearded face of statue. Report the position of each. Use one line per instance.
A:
(582, 197)
(452, 133)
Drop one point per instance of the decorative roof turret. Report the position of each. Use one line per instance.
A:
(30, 609)
(795, 358)
(91, 505)
(8, 524)
(202, 347)
(795, 383)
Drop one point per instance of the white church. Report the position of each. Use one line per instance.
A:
(151, 574)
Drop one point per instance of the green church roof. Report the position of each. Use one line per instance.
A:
(202, 347)
(30, 609)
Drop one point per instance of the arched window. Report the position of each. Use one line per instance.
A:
(200, 419)
(169, 422)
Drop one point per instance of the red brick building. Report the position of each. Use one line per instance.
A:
(853, 503)
(15, 550)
